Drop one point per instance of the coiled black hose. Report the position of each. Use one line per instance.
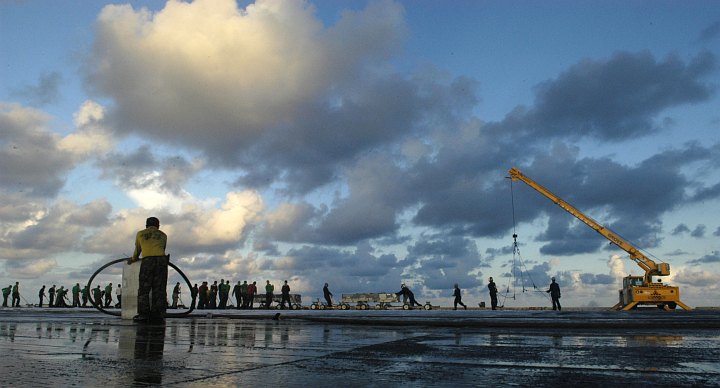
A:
(117, 314)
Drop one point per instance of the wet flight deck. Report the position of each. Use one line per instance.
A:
(323, 348)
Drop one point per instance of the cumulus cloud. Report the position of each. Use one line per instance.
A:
(35, 159)
(197, 229)
(57, 228)
(703, 278)
(267, 80)
(32, 163)
(91, 138)
(444, 261)
(617, 266)
(289, 222)
(152, 182)
(30, 268)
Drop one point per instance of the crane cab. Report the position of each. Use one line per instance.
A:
(636, 291)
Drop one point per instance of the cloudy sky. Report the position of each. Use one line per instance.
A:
(363, 143)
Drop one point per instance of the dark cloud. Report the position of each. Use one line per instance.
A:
(520, 277)
(45, 92)
(96, 213)
(17, 208)
(704, 279)
(445, 260)
(707, 193)
(707, 259)
(592, 279)
(677, 252)
(592, 186)
(717, 232)
(699, 231)
(475, 200)
(142, 168)
(60, 228)
(444, 247)
(611, 100)
(680, 229)
(360, 263)
(371, 208)
(32, 163)
(358, 270)
(330, 138)
(617, 99)
(30, 268)
(563, 240)
(710, 32)
(290, 223)
(492, 253)
(47, 235)
(84, 273)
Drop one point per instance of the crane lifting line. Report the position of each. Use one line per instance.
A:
(517, 257)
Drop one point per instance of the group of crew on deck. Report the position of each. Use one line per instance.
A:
(245, 295)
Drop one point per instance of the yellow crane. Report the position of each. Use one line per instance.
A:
(636, 290)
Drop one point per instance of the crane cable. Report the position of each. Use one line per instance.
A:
(518, 264)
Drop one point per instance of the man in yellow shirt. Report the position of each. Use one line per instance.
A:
(152, 295)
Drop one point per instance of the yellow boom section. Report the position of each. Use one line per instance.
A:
(650, 267)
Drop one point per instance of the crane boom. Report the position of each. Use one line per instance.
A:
(649, 266)
(637, 290)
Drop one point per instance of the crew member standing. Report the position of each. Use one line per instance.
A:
(41, 295)
(76, 295)
(237, 293)
(554, 291)
(244, 294)
(223, 294)
(193, 295)
(212, 302)
(85, 295)
(203, 293)
(328, 295)
(269, 289)
(458, 298)
(252, 290)
(151, 243)
(118, 296)
(51, 296)
(97, 296)
(493, 293)
(108, 295)
(285, 296)
(16, 295)
(176, 295)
